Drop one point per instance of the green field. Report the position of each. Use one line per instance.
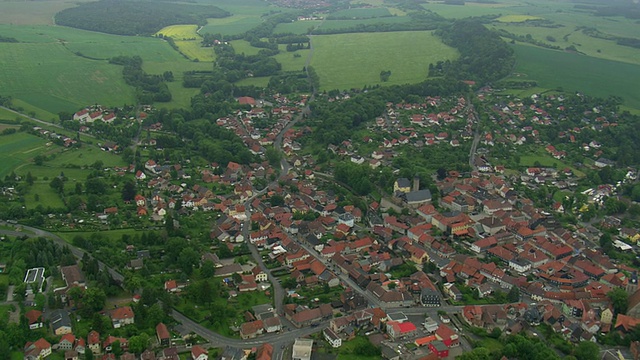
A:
(189, 42)
(254, 81)
(85, 157)
(291, 63)
(574, 72)
(354, 60)
(547, 160)
(46, 196)
(345, 24)
(18, 150)
(362, 12)
(32, 12)
(45, 75)
(297, 27)
(243, 47)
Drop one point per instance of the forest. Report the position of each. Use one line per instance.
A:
(122, 17)
(484, 57)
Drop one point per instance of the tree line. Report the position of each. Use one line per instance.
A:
(149, 88)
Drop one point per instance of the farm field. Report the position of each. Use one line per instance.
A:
(354, 60)
(91, 81)
(32, 12)
(345, 24)
(49, 77)
(41, 193)
(574, 72)
(19, 149)
(189, 42)
(255, 81)
(297, 27)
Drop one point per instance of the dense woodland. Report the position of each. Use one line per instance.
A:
(122, 17)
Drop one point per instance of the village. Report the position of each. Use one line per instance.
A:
(419, 272)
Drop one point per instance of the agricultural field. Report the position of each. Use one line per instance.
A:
(516, 18)
(246, 15)
(40, 193)
(85, 157)
(18, 150)
(297, 27)
(361, 13)
(32, 12)
(472, 9)
(254, 81)
(50, 77)
(354, 60)
(574, 72)
(345, 24)
(52, 86)
(189, 41)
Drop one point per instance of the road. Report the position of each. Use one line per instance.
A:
(47, 123)
(476, 136)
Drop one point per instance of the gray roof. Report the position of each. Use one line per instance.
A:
(419, 196)
(59, 318)
(403, 182)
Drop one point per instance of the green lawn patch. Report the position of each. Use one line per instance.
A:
(344, 61)
(46, 196)
(543, 159)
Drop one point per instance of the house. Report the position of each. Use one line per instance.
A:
(34, 319)
(37, 350)
(264, 352)
(302, 349)
(332, 338)
(251, 329)
(162, 334)
(60, 322)
(122, 316)
(71, 355)
(398, 330)
(72, 275)
(199, 353)
(439, 348)
(402, 185)
(93, 342)
(66, 342)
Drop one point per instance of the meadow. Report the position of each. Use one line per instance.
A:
(67, 82)
(574, 72)
(297, 27)
(18, 150)
(32, 12)
(188, 41)
(353, 60)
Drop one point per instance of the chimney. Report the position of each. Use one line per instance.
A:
(416, 183)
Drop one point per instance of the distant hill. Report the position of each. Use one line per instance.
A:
(123, 17)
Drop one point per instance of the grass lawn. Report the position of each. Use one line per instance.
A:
(574, 72)
(19, 149)
(17, 355)
(493, 345)
(10, 116)
(346, 351)
(46, 196)
(243, 47)
(291, 63)
(353, 60)
(547, 160)
(85, 157)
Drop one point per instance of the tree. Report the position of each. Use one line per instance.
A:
(514, 294)
(129, 191)
(187, 260)
(88, 355)
(619, 298)
(586, 350)
(29, 178)
(57, 184)
(138, 343)
(207, 269)
(116, 348)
